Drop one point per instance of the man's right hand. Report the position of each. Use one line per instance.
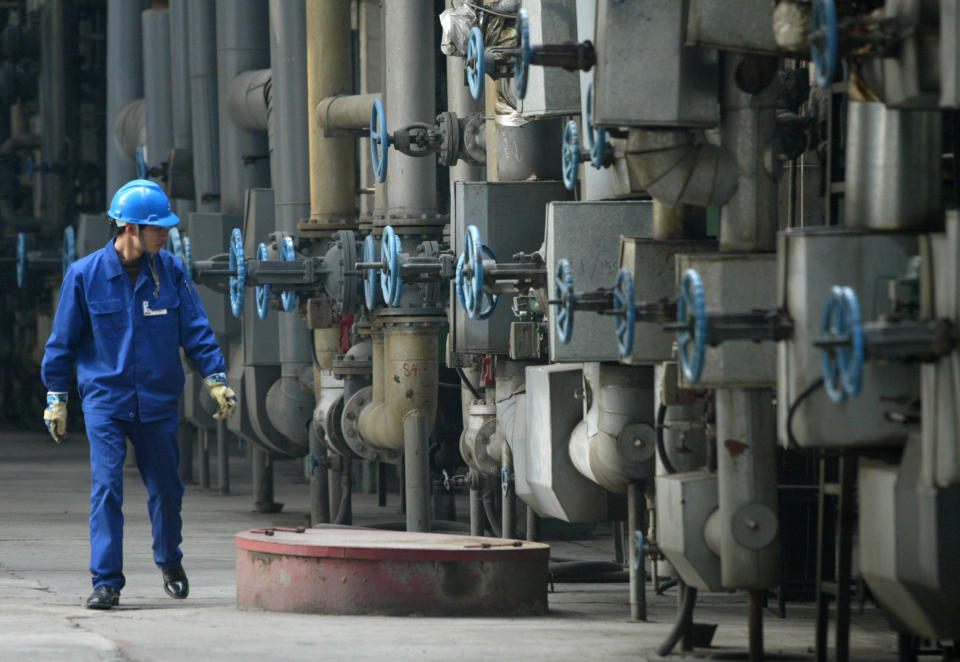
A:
(55, 415)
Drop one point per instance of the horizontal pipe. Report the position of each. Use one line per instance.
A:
(349, 112)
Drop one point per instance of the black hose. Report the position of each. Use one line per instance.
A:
(466, 382)
(683, 622)
(661, 448)
(804, 394)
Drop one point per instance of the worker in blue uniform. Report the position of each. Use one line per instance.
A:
(124, 313)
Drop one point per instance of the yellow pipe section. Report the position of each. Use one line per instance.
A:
(408, 372)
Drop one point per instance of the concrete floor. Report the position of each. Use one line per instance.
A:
(44, 550)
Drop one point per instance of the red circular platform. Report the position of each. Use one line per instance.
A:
(369, 571)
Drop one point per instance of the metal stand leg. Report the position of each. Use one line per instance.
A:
(636, 506)
(346, 491)
(188, 435)
(319, 494)
(755, 624)
(508, 515)
(533, 525)
(416, 471)
(476, 513)
(381, 484)
(334, 486)
(263, 482)
(204, 458)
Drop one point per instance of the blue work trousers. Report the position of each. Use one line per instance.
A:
(158, 455)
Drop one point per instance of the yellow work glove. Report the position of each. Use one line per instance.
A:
(222, 394)
(55, 415)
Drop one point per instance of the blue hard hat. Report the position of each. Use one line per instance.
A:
(142, 202)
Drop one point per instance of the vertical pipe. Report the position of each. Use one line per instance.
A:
(636, 507)
(381, 484)
(242, 45)
(180, 89)
(334, 486)
(345, 512)
(124, 81)
(461, 102)
(416, 470)
(755, 624)
(156, 85)
(330, 65)
(411, 182)
(205, 130)
(204, 458)
(371, 66)
(319, 497)
(223, 458)
(508, 514)
(187, 435)
(262, 480)
(57, 53)
(476, 512)
(533, 525)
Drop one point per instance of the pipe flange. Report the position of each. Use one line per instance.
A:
(637, 442)
(334, 438)
(475, 448)
(348, 424)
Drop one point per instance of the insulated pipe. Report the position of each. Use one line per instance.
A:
(371, 67)
(291, 398)
(349, 112)
(205, 130)
(242, 45)
(461, 102)
(410, 371)
(130, 131)
(124, 81)
(157, 85)
(247, 99)
(411, 182)
(180, 92)
(615, 442)
(330, 72)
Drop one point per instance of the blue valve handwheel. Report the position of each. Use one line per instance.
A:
(596, 138)
(458, 281)
(287, 254)
(379, 140)
(470, 289)
(263, 291)
(522, 67)
(692, 347)
(491, 299)
(476, 66)
(239, 281)
(141, 163)
(842, 364)
(391, 286)
(69, 248)
(825, 44)
(370, 288)
(175, 243)
(570, 156)
(188, 257)
(21, 259)
(563, 290)
(626, 309)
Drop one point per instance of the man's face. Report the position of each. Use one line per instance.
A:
(154, 237)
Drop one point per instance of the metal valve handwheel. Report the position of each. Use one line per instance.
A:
(469, 277)
(175, 243)
(692, 345)
(563, 291)
(263, 291)
(596, 138)
(824, 41)
(476, 67)
(626, 312)
(287, 254)
(239, 281)
(69, 248)
(842, 363)
(379, 140)
(21, 259)
(571, 155)
(370, 276)
(188, 257)
(522, 67)
(391, 286)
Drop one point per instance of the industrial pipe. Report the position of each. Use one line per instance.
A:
(247, 99)
(157, 85)
(124, 83)
(350, 112)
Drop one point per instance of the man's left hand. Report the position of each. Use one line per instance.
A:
(222, 394)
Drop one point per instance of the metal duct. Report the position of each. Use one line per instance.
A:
(248, 99)
(129, 132)
(291, 398)
(681, 166)
(124, 81)
(242, 45)
(893, 179)
(201, 30)
(156, 85)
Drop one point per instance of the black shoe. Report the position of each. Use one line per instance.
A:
(175, 582)
(103, 597)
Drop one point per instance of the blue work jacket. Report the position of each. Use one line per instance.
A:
(124, 340)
